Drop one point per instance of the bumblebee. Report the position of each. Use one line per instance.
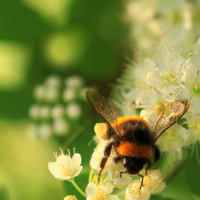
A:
(133, 138)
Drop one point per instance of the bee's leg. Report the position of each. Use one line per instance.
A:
(156, 156)
(148, 166)
(117, 159)
(142, 179)
(105, 158)
(122, 173)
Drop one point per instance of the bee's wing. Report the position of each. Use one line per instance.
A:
(108, 110)
(172, 112)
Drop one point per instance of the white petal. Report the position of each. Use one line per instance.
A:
(121, 182)
(189, 74)
(148, 98)
(145, 114)
(78, 170)
(91, 189)
(180, 93)
(195, 102)
(192, 138)
(106, 188)
(183, 133)
(170, 89)
(131, 196)
(177, 150)
(153, 80)
(76, 159)
(158, 189)
(63, 178)
(63, 160)
(113, 197)
(53, 168)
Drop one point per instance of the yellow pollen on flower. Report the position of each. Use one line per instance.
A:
(135, 190)
(61, 151)
(55, 155)
(195, 125)
(169, 78)
(195, 89)
(99, 196)
(159, 107)
(74, 150)
(65, 171)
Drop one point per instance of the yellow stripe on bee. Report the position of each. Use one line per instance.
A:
(124, 119)
(133, 149)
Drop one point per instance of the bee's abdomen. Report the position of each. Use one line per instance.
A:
(134, 149)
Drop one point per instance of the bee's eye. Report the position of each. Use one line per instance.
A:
(124, 161)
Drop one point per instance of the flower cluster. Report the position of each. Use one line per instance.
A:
(67, 168)
(151, 86)
(155, 18)
(59, 106)
(152, 183)
(169, 73)
(162, 82)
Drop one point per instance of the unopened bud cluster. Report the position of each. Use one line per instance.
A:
(59, 106)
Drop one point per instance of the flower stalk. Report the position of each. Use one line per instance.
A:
(78, 188)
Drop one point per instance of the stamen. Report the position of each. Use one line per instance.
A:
(55, 155)
(61, 151)
(69, 153)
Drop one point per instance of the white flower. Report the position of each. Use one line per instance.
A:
(173, 141)
(57, 111)
(97, 156)
(44, 112)
(51, 94)
(73, 110)
(169, 68)
(39, 91)
(101, 192)
(153, 101)
(74, 82)
(65, 167)
(53, 81)
(34, 111)
(191, 84)
(70, 197)
(133, 191)
(60, 126)
(129, 88)
(154, 181)
(114, 175)
(193, 122)
(69, 94)
(44, 130)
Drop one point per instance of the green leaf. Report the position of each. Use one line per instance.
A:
(193, 174)
(178, 185)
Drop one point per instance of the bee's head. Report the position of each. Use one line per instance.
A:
(133, 164)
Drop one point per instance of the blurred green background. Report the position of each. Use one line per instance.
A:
(39, 38)
(66, 39)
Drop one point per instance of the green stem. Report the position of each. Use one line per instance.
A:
(78, 188)
(90, 176)
(94, 179)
